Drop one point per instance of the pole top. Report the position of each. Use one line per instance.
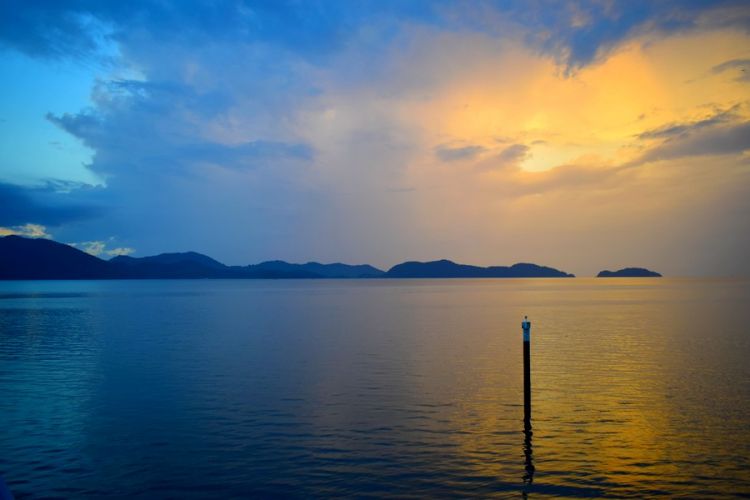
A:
(526, 326)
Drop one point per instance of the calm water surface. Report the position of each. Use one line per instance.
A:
(641, 388)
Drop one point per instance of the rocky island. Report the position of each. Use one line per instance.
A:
(449, 269)
(629, 272)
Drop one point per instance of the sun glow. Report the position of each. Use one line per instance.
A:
(509, 95)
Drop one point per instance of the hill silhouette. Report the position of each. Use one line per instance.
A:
(629, 272)
(335, 270)
(27, 258)
(449, 269)
(170, 265)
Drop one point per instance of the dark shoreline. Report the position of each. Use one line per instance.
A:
(43, 259)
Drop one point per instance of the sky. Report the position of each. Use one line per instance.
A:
(582, 135)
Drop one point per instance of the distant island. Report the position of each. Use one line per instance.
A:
(28, 258)
(449, 269)
(629, 272)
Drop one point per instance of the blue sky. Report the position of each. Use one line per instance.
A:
(32, 147)
(609, 133)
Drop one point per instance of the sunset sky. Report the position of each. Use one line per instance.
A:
(579, 135)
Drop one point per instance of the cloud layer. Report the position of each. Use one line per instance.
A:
(607, 134)
(47, 204)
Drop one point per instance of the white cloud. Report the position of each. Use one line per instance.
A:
(27, 230)
(98, 248)
(120, 251)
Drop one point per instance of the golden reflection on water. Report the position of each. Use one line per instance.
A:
(607, 369)
(383, 387)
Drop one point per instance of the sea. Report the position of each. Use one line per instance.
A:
(640, 388)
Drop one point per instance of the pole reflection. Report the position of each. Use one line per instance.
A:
(528, 452)
(528, 478)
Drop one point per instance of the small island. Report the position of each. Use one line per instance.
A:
(449, 269)
(629, 272)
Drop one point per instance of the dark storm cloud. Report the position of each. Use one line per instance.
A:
(244, 154)
(507, 158)
(678, 129)
(715, 140)
(156, 96)
(577, 33)
(47, 28)
(513, 153)
(45, 205)
(741, 66)
(128, 141)
(77, 28)
(720, 134)
(448, 153)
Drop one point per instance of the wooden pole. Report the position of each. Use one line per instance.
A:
(528, 478)
(526, 326)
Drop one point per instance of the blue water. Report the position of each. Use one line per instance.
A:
(211, 388)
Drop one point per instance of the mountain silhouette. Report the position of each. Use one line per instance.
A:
(449, 269)
(629, 272)
(26, 258)
(171, 265)
(170, 259)
(336, 270)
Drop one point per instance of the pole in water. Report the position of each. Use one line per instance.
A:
(526, 326)
(528, 478)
